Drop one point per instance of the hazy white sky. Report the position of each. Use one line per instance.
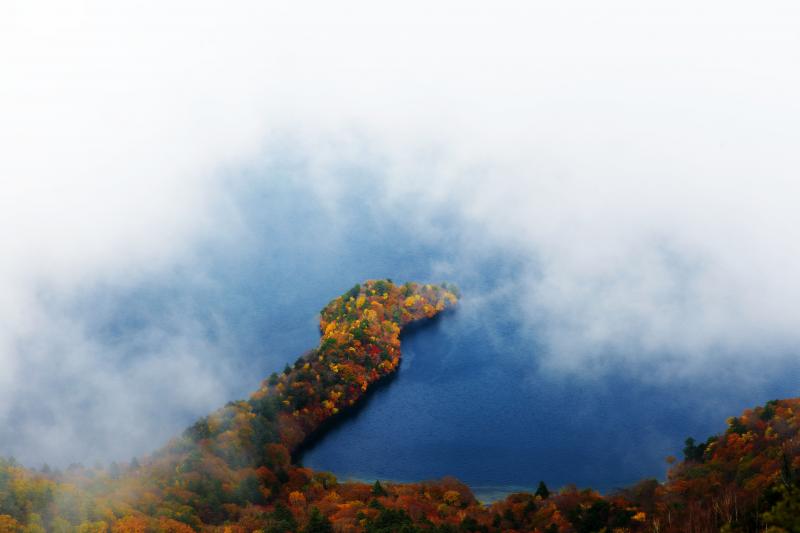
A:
(644, 155)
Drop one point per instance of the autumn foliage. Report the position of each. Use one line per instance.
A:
(233, 471)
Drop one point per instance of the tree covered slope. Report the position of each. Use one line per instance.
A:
(233, 471)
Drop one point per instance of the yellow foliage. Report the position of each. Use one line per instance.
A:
(8, 524)
(297, 499)
(452, 497)
(95, 527)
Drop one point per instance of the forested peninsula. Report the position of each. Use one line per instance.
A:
(236, 470)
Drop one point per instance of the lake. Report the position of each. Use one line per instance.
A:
(471, 399)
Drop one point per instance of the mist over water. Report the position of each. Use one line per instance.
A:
(473, 397)
(613, 188)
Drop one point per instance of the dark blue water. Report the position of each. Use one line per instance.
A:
(470, 399)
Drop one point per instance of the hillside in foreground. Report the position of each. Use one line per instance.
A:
(233, 471)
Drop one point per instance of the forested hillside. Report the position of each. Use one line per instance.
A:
(233, 471)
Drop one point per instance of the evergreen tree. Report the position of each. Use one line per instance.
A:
(318, 523)
(378, 490)
(281, 520)
(785, 515)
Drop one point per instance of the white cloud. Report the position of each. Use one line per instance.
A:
(643, 156)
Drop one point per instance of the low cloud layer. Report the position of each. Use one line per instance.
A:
(641, 161)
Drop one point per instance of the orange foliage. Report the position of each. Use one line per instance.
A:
(233, 471)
